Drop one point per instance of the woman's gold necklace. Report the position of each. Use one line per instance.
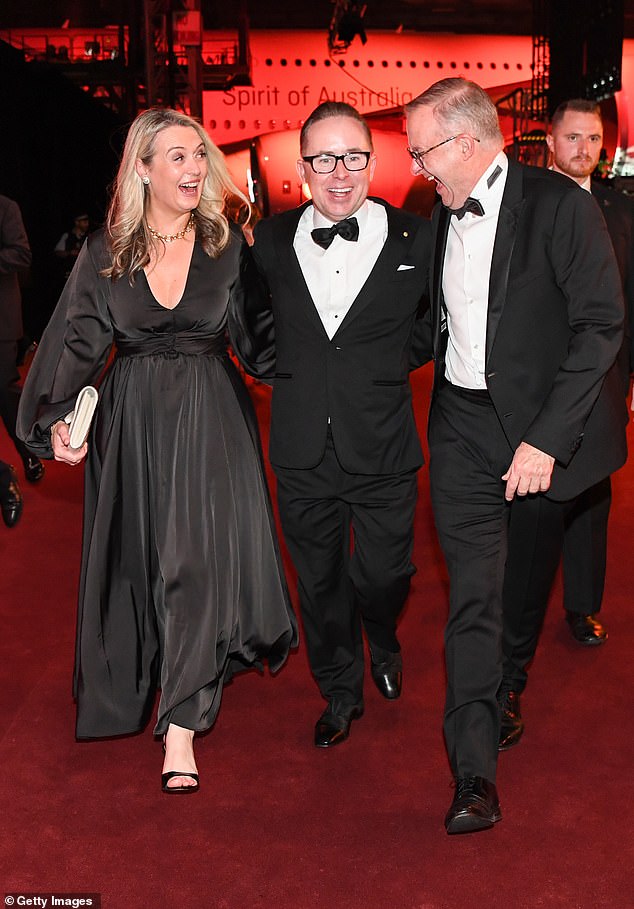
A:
(169, 238)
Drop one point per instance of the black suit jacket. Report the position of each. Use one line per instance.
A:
(15, 256)
(554, 327)
(618, 211)
(359, 378)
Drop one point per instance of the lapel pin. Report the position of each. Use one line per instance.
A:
(406, 233)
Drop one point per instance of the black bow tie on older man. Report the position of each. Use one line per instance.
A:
(348, 229)
(472, 205)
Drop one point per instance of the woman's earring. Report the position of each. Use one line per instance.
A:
(146, 180)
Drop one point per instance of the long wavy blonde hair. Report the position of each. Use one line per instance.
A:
(126, 228)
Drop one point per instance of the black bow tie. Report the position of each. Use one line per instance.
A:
(348, 229)
(472, 205)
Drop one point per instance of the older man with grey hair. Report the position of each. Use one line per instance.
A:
(525, 324)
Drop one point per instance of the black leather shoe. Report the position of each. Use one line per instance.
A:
(33, 468)
(475, 806)
(586, 629)
(10, 499)
(387, 672)
(333, 726)
(511, 722)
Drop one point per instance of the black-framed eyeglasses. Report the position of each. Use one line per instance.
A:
(419, 155)
(325, 164)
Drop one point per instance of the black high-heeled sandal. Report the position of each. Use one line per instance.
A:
(166, 777)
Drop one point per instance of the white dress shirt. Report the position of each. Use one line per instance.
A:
(465, 283)
(335, 276)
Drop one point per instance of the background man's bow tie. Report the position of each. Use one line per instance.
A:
(348, 229)
(472, 205)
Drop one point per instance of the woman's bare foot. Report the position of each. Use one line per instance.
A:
(179, 756)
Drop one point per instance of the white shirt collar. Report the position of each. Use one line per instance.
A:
(491, 196)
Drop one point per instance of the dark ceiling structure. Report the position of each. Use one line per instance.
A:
(457, 16)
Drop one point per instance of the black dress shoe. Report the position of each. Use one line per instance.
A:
(10, 498)
(333, 726)
(387, 672)
(475, 806)
(33, 468)
(586, 629)
(511, 722)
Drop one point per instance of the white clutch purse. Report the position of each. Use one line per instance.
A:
(80, 418)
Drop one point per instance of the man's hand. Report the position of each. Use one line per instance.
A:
(530, 471)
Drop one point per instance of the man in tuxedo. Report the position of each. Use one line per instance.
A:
(525, 325)
(15, 256)
(345, 279)
(578, 527)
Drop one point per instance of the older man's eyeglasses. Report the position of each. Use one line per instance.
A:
(418, 156)
(325, 164)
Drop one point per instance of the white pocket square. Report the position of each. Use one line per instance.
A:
(405, 267)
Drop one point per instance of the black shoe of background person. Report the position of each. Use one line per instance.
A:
(333, 726)
(387, 672)
(511, 722)
(586, 629)
(475, 806)
(10, 498)
(33, 468)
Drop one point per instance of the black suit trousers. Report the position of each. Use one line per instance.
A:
(350, 538)
(536, 528)
(10, 393)
(539, 530)
(469, 453)
(585, 548)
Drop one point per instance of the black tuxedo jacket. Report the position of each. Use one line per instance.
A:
(618, 211)
(359, 378)
(15, 255)
(554, 327)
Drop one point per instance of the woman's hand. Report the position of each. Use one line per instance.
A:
(60, 442)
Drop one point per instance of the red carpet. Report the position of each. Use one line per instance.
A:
(278, 823)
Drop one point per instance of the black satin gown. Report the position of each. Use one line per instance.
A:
(181, 579)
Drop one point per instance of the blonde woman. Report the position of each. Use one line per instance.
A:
(181, 582)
